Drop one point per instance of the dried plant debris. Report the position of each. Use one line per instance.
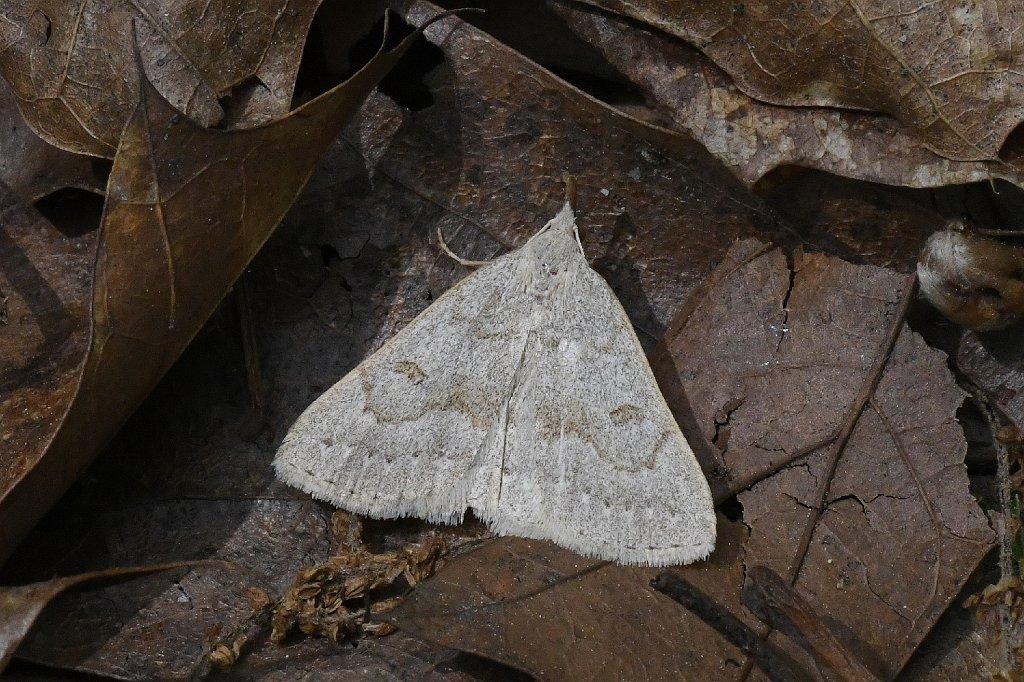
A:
(344, 596)
(1000, 610)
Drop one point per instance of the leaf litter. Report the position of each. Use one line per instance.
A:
(753, 136)
(167, 252)
(66, 63)
(940, 71)
(385, 162)
(190, 474)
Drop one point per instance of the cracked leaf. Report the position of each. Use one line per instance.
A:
(187, 209)
(753, 136)
(950, 72)
(70, 63)
(870, 514)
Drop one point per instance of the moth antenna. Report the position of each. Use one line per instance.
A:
(454, 256)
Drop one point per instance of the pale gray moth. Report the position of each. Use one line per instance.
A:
(521, 393)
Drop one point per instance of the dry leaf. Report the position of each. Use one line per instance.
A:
(753, 136)
(398, 657)
(947, 72)
(546, 610)
(32, 168)
(20, 606)
(994, 361)
(187, 209)
(70, 63)
(871, 515)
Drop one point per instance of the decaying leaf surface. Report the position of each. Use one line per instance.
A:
(752, 136)
(876, 521)
(68, 63)
(20, 606)
(870, 516)
(950, 73)
(31, 167)
(396, 657)
(44, 329)
(994, 361)
(187, 209)
(543, 609)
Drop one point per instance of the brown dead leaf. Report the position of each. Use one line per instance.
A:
(540, 608)
(946, 72)
(20, 606)
(870, 514)
(44, 330)
(68, 63)
(32, 168)
(187, 209)
(994, 361)
(754, 136)
(812, 374)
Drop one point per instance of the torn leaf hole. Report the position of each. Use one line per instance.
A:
(732, 509)
(235, 102)
(328, 254)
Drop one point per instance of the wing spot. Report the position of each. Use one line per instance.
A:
(411, 371)
(625, 413)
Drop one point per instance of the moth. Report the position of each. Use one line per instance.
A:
(523, 394)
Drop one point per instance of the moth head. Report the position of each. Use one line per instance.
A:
(557, 245)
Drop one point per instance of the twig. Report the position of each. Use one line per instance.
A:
(773, 601)
(773, 661)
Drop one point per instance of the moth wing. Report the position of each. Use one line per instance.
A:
(594, 459)
(408, 430)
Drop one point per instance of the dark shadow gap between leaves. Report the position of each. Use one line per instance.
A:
(534, 30)
(339, 44)
(72, 211)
